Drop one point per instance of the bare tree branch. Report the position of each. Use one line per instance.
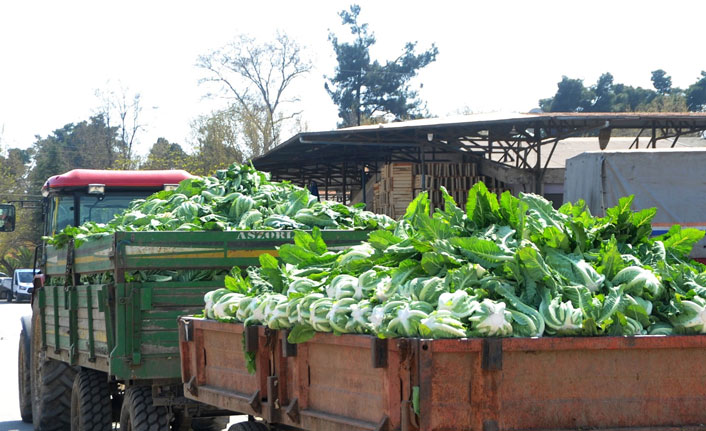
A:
(257, 75)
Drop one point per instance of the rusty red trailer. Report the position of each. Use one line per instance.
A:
(358, 382)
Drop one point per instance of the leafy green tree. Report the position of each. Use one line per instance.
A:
(603, 94)
(696, 94)
(672, 102)
(165, 155)
(362, 88)
(217, 142)
(20, 257)
(258, 76)
(571, 96)
(631, 99)
(89, 144)
(661, 82)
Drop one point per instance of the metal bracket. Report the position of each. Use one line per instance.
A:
(379, 352)
(292, 410)
(384, 424)
(251, 338)
(191, 386)
(408, 417)
(492, 355)
(289, 350)
(188, 330)
(273, 401)
(254, 401)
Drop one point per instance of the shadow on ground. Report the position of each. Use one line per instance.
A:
(15, 426)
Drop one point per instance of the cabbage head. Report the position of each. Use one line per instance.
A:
(491, 319)
(442, 324)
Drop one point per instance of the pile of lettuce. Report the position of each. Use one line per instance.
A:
(239, 198)
(512, 266)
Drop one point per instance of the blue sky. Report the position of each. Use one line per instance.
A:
(493, 55)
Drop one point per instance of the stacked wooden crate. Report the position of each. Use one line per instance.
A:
(395, 190)
(401, 182)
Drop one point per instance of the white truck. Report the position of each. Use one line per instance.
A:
(21, 285)
(672, 180)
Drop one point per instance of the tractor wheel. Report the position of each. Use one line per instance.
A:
(91, 409)
(52, 382)
(24, 373)
(139, 414)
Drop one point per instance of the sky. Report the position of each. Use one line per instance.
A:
(494, 56)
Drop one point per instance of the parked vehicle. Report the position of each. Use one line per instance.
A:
(21, 285)
(5, 285)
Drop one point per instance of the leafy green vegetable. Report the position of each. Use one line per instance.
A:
(512, 266)
(239, 198)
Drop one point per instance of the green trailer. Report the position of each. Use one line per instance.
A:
(108, 345)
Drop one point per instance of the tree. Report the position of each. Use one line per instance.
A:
(661, 82)
(673, 102)
(165, 155)
(258, 76)
(217, 143)
(696, 94)
(570, 96)
(631, 99)
(126, 109)
(603, 95)
(89, 145)
(364, 89)
(14, 187)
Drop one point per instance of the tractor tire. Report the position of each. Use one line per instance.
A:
(139, 414)
(52, 382)
(24, 373)
(91, 408)
(248, 426)
(216, 423)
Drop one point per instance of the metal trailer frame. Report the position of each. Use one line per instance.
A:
(359, 382)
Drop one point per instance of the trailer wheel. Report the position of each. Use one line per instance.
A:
(248, 426)
(138, 412)
(24, 374)
(91, 409)
(51, 385)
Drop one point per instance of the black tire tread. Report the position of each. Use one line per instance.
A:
(57, 381)
(211, 423)
(138, 412)
(24, 379)
(95, 409)
(248, 426)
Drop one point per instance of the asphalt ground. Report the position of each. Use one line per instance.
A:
(10, 314)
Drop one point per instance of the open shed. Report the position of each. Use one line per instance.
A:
(515, 152)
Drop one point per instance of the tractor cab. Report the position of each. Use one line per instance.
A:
(83, 195)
